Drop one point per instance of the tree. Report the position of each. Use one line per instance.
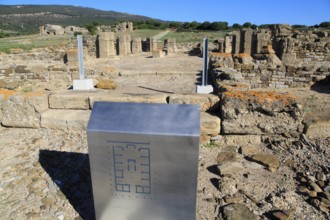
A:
(91, 29)
(298, 26)
(174, 24)
(264, 26)
(186, 25)
(247, 24)
(236, 26)
(325, 24)
(205, 25)
(194, 25)
(217, 26)
(2, 34)
(254, 26)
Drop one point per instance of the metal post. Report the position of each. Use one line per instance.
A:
(205, 62)
(80, 57)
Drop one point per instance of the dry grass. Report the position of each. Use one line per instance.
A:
(106, 84)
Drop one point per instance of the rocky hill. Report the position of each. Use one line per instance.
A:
(27, 18)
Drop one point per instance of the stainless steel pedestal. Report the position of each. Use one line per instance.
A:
(144, 160)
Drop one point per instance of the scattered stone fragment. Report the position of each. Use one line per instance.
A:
(226, 157)
(237, 198)
(249, 150)
(230, 168)
(289, 163)
(283, 214)
(237, 212)
(315, 187)
(321, 177)
(228, 186)
(270, 161)
(312, 194)
(12, 85)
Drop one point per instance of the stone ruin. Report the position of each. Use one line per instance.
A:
(107, 45)
(50, 29)
(121, 27)
(278, 57)
(241, 121)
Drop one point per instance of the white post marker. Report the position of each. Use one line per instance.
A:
(204, 88)
(82, 83)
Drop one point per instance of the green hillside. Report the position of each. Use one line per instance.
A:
(26, 19)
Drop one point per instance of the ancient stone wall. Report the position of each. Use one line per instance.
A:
(277, 57)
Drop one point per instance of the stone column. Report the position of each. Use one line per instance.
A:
(221, 45)
(228, 44)
(137, 46)
(154, 44)
(247, 41)
(172, 45)
(130, 26)
(124, 45)
(42, 30)
(107, 45)
(128, 44)
(237, 42)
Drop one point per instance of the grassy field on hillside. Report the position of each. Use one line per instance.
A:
(28, 42)
(142, 33)
(182, 37)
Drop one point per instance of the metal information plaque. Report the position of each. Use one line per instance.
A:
(144, 160)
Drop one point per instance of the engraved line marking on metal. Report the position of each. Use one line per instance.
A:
(131, 161)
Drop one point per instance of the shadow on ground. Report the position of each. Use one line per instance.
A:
(322, 86)
(71, 173)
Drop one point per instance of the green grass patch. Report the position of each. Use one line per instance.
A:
(29, 42)
(142, 33)
(211, 144)
(183, 37)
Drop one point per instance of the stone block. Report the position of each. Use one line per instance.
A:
(12, 85)
(237, 212)
(210, 124)
(23, 111)
(257, 112)
(229, 168)
(111, 97)
(270, 161)
(69, 100)
(206, 102)
(21, 69)
(157, 54)
(65, 119)
(249, 149)
(72, 56)
(240, 140)
(2, 84)
(317, 125)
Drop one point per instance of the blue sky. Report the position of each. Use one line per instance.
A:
(308, 12)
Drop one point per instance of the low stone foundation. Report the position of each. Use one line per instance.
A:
(235, 118)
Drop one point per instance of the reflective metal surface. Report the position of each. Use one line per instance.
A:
(144, 160)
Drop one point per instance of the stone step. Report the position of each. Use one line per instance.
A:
(65, 119)
(317, 124)
(84, 100)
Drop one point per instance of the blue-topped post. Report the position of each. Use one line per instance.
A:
(204, 88)
(80, 57)
(82, 83)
